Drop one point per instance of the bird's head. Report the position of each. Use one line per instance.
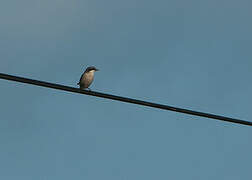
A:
(91, 68)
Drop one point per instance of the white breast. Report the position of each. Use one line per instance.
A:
(87, 79)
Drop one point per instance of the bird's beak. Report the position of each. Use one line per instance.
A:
(97, 70)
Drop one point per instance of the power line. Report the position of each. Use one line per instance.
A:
(123, 99)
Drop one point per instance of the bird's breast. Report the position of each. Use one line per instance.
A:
(87, 79)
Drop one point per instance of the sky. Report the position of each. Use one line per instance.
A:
(190, 54)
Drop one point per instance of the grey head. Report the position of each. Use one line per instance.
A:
(90, 68)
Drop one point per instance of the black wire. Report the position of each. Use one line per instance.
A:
(123, 99)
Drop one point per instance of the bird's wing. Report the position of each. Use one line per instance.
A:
(80, 79)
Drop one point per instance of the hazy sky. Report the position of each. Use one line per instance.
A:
(191, 54)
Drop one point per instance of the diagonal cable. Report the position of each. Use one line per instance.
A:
(123, 99)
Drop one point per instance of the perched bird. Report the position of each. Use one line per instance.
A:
(87, 77)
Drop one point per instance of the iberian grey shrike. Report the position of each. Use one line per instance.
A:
(87, 77)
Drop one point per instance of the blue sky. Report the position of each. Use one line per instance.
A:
(190, 54)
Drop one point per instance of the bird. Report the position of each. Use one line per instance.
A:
(87, 78)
